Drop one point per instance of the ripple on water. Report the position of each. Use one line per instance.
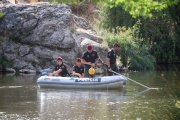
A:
(2, 87)
(5, 116)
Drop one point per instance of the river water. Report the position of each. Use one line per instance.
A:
(20, 98)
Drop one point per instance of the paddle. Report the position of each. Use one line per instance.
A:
(134, 81)
(128, 78)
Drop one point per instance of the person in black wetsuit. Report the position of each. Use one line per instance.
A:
(60, 69)
(78, 69)
(89, 59)
(111, 58)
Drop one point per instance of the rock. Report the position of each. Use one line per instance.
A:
(19, 64)
(8, 48)
(82, 23)
(9, 56)
(31, 58)
(5, 2)
(86, 41)
(34, 35)
(1, 53)
(10, 70)
(27, 71)
(50, 34)
(23, 50)
(81, 33)
(30, 24)
(43, 52)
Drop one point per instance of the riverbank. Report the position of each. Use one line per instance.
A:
(159, 67)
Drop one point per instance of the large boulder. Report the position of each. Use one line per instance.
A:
(32, 36)
(4, 2)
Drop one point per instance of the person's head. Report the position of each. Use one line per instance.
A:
(89, 48)
(116, 47)
(59, 60)
(78, 61)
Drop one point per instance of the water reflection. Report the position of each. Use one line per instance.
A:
(73, 104)
(18, 97)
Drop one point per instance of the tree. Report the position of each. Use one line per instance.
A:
(144, 8)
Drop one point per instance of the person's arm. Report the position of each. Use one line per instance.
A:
(57, 70)
(76, 74)
(84, 62)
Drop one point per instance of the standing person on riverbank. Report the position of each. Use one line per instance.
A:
(89, 59)
(111, 58)
(60, 69)
(78, 69)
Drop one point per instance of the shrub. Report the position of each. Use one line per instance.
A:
(133, 54)
(1, 15)
(4, 63)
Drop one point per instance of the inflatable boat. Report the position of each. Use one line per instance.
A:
(106, 82)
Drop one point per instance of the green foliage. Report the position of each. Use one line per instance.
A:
(116, 16)
(73, 1)
(144, 8)
(1, 15)
(161, 32)
(135, 8)
(142, 61)
(132, 54)
(4, 63)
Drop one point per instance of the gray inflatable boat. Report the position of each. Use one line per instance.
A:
(106, 82)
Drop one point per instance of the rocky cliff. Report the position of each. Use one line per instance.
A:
(32, 36)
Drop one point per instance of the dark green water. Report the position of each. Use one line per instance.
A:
(21, 99)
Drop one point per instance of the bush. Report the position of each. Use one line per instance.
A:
(1, 15)
(161, 30)
(133, 54)
(4, 63)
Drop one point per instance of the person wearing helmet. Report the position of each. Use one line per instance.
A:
(111, 58)
(60, 69)
(78, 69)
(89, 59)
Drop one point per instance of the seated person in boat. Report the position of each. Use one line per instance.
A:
(89, 59)
(78, 69)
(111, 58)
(60, 69)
